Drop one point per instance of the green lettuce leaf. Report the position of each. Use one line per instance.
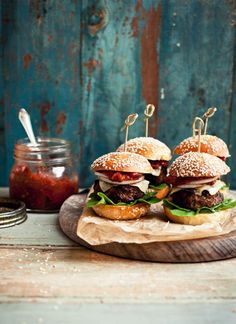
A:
(179, 211)
(159, 187)
(101, 198)
(225, 187)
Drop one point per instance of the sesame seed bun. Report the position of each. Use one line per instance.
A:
(194, 164)
(209, 144)
(123, 162)
(121, 212)
(217, 217)
(149, 147)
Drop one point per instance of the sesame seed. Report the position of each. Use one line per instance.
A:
(120, 161)
(146, 146)
(194, 164)
(209, 144)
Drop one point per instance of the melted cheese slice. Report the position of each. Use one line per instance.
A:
(213, 189)
(142, 185)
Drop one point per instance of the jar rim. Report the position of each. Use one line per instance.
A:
(44, 144)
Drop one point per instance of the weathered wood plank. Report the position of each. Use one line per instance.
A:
(71, 73)
(2, 137)
(37, 230)
(60, 284)
(196, 55)
(49, 313)
(42, 68)
(115, 74)
(88, 276)
(83, 66)
(232, 130)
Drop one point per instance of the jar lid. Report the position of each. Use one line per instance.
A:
(12, 212)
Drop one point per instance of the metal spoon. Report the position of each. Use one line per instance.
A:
(24, 118)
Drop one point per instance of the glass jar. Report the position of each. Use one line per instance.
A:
(43, 176)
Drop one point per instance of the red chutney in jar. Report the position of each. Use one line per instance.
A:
(40, 189)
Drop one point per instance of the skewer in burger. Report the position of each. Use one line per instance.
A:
(209, 144)
(121, 192)
(158, 155)
(195, 197)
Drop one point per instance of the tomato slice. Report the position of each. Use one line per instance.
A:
(121, 176)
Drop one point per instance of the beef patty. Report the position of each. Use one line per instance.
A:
(120, 193)
(189, 199)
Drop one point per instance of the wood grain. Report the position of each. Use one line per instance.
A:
(198, 250)
(38, 230)
(71, 313)
(80, 275)
(41, 229)
(83, 66)
(53, 282)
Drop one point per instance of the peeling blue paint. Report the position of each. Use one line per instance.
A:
(66, 57)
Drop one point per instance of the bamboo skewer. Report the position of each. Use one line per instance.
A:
(209, 113)
(130, 120)
(148, 112)
(197, 130)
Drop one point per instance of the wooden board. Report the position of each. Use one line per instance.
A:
(198, 250)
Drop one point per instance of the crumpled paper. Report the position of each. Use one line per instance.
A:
(154, 227)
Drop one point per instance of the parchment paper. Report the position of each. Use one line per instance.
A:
(154, 227)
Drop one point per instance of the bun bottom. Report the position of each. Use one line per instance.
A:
(218, 217)
(121, 212)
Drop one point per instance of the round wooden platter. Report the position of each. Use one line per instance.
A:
(197, 250)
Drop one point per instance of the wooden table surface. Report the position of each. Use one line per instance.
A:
(47, 278)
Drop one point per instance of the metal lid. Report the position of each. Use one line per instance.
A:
(12, 212)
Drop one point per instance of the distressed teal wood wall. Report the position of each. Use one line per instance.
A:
(80, 67)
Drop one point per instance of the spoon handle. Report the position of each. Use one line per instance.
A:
(24, 118)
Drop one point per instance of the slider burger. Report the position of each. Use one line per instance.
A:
(121, 192)
(196, 197)
(209, 144)
(158, 154)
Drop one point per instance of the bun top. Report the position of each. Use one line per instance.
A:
(194, 164)
(122, 161)
(209, 144)
(149, 147)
